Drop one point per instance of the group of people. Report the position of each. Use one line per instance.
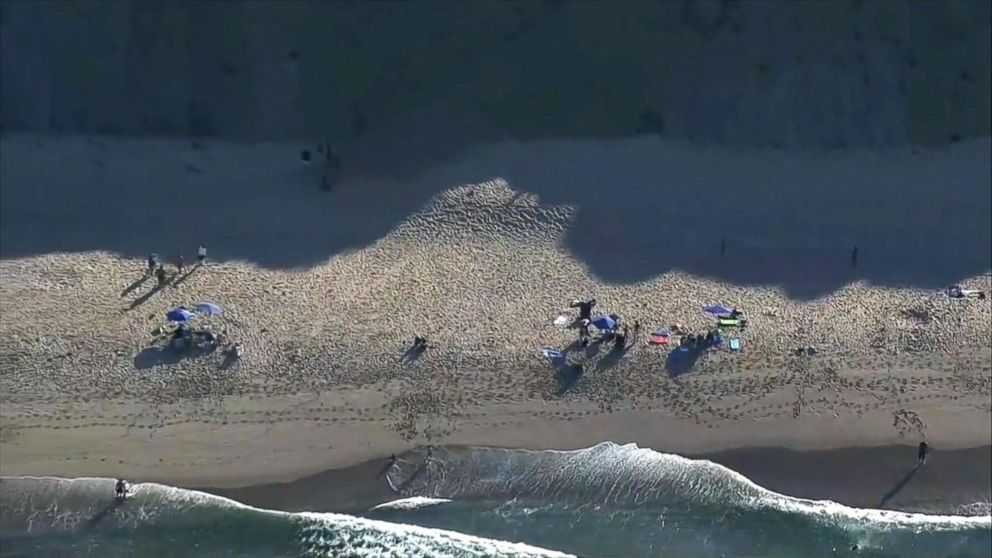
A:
(619, 334)
(204, 337)
(157, 268)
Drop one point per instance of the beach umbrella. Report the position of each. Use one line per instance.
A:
(178, 315)
(718, 310)
(208, 308)
(604, 323)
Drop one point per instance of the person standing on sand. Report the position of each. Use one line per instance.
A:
(585, 307)
(161, 276)
(152, 263)
(180, 263)
(584, 333)
(922, 453)
(201, 254)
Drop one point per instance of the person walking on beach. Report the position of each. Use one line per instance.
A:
(152, 263)
(161, 276)
(201, 254)
(120, 489)
(922, 453)
(180, 263)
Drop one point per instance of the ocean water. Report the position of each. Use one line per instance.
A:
(608, 500)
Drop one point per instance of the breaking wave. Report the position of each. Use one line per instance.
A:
(53, 516)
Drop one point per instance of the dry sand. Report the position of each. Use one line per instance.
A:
(480, 255)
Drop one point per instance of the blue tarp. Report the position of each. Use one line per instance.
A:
(718, 310)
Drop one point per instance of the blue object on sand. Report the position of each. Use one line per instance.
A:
(552, 354)
(718, 310)
(735, 344)
(604, 323)
(208, 308)
(178, 315)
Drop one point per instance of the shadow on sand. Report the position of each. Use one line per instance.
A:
(681, 360)
(144, 298)
(899, 485)
(179, 281)
(130, 288)
(611, 358)
(769, 240)
(413, 353)
(567, 376)
(166, 355)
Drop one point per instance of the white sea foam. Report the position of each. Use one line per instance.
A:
(39, 504)
(410, 503)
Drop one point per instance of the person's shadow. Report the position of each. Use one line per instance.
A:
(900, 485)
(611, 358)
(413, 353)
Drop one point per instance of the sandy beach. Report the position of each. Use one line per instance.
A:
(480, 254)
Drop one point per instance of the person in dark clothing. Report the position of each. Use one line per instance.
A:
(120, 489)
(620, 339)
(585, 308)
(584, 333)
(152, 263)
(923, 453)
(161, 276)
(854, 257)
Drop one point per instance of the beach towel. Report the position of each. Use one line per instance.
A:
(660, 336)
(729, 322)
(735, 344)
(563, 320)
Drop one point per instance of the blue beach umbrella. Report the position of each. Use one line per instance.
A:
(604, 323)
(179, 315)
(208, 308)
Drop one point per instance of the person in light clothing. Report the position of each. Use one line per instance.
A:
(201, 254)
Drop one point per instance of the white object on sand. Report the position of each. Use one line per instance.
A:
(563, 320)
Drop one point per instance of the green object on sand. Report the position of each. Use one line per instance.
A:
(729, 322)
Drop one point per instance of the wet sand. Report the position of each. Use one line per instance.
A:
(948, 483)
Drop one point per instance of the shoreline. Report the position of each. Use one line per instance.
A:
(855, 477)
